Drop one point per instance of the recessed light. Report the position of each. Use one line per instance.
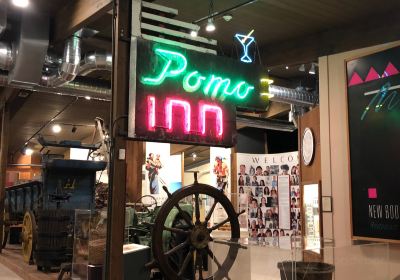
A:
(21, 3)
(56, 128)
(287, 67)
(28, 151)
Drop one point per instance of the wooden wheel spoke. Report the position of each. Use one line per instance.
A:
(210, 211)
(197, 208)
(217, 226)
(176, 230)
(184, 215)
(211, 254)
(176, 248)
(186, 262)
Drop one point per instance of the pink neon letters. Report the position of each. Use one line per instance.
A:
(168, 112)
(204, 108)
(151, 112)
(171, 103)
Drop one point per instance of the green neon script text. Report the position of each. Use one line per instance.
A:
(175, 64)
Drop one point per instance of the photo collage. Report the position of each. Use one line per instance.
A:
(258, 195)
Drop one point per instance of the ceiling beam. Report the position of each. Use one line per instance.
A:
(77, 14)
(276, 109)
(362, 33)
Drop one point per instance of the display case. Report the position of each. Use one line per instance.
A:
(90, 232)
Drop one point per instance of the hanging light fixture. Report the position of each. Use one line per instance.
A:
(210, 25)
(193, 33)
(302, 68)
(312, 69)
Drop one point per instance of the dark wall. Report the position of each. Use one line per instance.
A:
(252, 141)
(281, 141)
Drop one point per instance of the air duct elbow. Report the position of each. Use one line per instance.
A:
(69, 67)
(95, 61)
(72, 57)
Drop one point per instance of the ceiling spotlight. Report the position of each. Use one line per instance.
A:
(312, 69)
(210, 25)
(87, 97)
(193, 33)
(194, 156)
(56, 128)
(28, 151)
(227, 17)
(287, 67)
(21, 3)
(302, 68)
(74, 129)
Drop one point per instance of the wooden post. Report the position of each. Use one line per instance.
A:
(3, 164)
(120, 88)
(134, 162)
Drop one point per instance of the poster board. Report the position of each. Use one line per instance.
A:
(274, 215)
(373, 84)
(161, 169)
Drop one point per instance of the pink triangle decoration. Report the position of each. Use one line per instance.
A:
(355, 80)
(390, 70)
(372, 75)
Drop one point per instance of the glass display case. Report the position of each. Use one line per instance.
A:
(90, 232)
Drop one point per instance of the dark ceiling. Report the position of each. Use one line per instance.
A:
(279, 20)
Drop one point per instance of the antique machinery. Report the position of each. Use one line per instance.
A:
(45, 210)
(181, 236)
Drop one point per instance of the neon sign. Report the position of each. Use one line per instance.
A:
(171, 106)
(245, 41)
(183, 96)
(175, 64)
(381, 98)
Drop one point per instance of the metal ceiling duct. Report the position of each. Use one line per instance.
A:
(264, 123)
(3, 16)
(6, 56)
(292, 96)
(69, 67)
(29, 51)
(82, 87)
(95, 61)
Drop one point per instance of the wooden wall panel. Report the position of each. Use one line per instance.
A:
(311, 173)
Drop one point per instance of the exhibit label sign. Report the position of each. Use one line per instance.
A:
(184, 96)
(374, 130)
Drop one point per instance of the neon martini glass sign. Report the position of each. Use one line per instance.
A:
(212, 85)
(245, 41)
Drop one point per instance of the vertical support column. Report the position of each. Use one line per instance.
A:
(119, 111)
(234, 178)
(3, 164)
(134, 162)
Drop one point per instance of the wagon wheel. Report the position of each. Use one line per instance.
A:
(196, 235)
(28, 236)
(6, 229)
